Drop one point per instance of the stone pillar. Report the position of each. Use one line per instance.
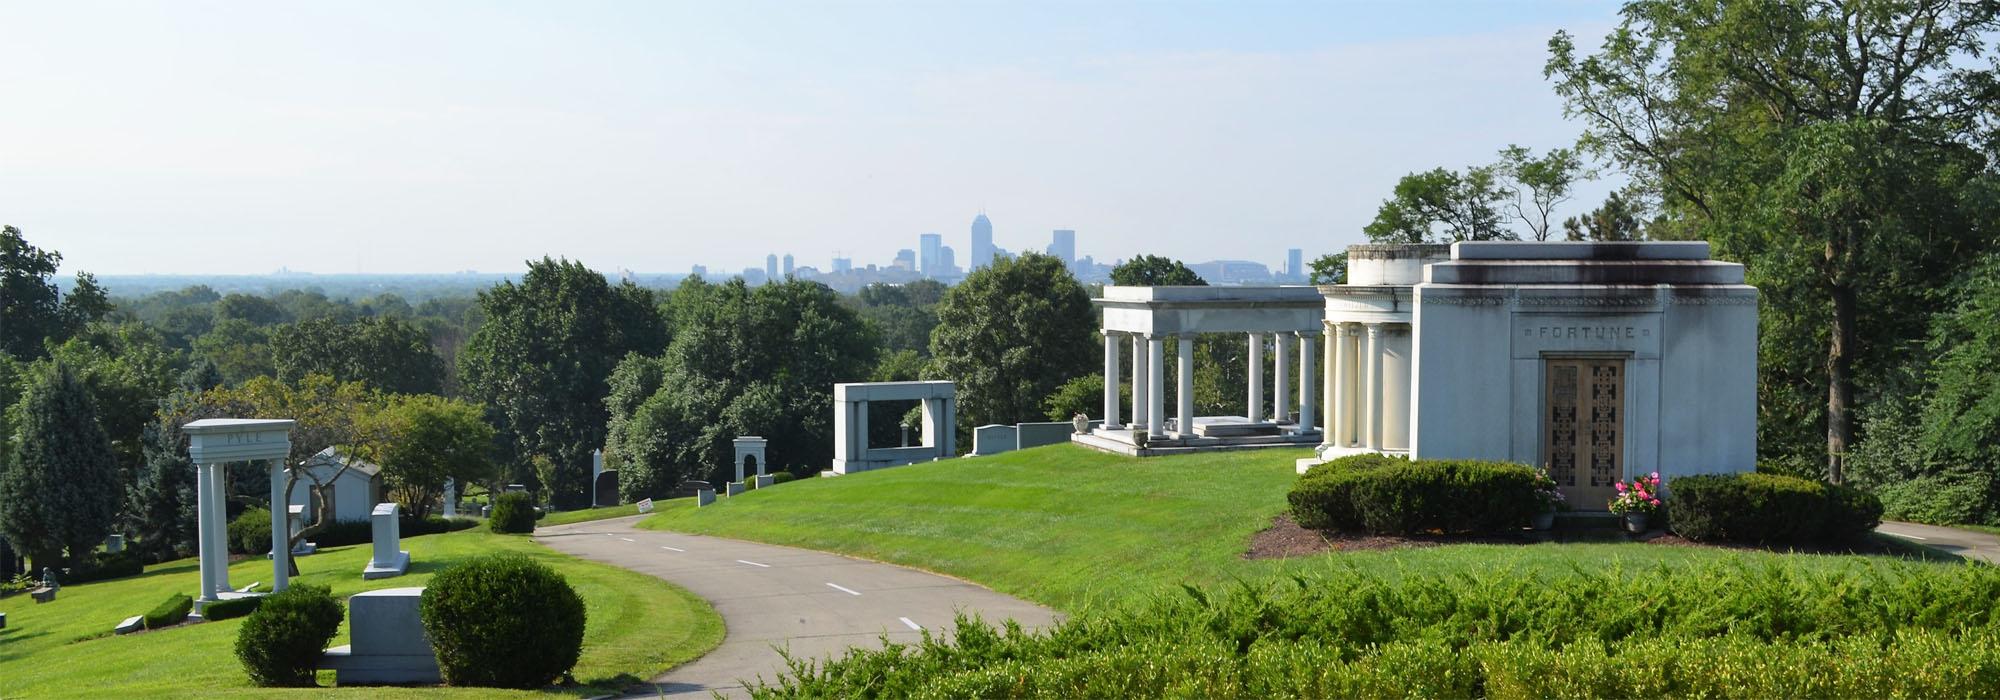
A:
(1340, 374)
(1138, 381)
(1308, 347)
(1281, 381)
(1330, 384)
(1255, 410)
(1184, 386)
(281, 529)
(451, 497)
(1371, 399)
(1111, 381)
(1396, 388)
(219, 525)
(204, 512)
(1156, 391)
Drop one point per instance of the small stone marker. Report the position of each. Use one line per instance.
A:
(389, 559)
(450, 498)
(3, 621)
(114, 544)
(765, 480)
(646, 505)
(130, 625)
(387, 642)
(704, 497)
(735, 487)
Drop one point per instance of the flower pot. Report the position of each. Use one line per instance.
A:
(1545, 520)
(1635, 523)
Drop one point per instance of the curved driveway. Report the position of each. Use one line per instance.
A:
(813, 603)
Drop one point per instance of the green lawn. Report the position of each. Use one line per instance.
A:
(639, 626)
(586, 515)
(1073, 528)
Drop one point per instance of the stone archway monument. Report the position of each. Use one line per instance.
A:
(851, 451)
(212, 443)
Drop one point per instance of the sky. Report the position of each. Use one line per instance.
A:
(220, 138)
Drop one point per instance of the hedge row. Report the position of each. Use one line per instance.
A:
(170, 613)
(1388, 495)
(1769, 508)
(233, 607)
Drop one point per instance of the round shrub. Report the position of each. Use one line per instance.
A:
(250, 532)
(281, 641)
(1323, 497)
(782, 477)
(503, 621)
(1386, 495)
(513, 513)
(1769, 508)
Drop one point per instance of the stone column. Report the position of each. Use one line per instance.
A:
(1139, 401)
(1281, 381)
(1255, 410)
(1184, 385)
(204, 513)
(1308, 343)
(220, 526)
(1330, 384)
(1371, 430)
(281, 529)
(1396, 388)
(1111, 380)
(1156, 393)
(1341, 373)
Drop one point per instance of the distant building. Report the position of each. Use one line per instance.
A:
(947, 262)
(1232, 272)
(927, 255)
(788, 264)
(700, 271)
(354, 494)
(771, 267)
(1294, 265)
(841, 265)
(1064, 245)
(906, 259)
(982, 243)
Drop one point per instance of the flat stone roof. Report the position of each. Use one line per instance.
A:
(208, 426)
(1579, 250)
(1219, 296)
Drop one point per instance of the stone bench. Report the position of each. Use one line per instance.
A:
(43, 594)
(387, 643)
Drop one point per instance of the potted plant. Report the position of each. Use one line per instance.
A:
(1139, 438)
(1549, 497)
(1636, 500)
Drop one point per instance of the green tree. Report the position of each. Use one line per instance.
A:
(1442, 206)
(1330, 268)
(1616, 220)
(388, 353)
(159, 509)
(254, 309)
(1536, 186)
(1834, 148)
(541, 361)
(30, 307)
(903, 314)
(1010, 334)
(128, 370)
(1155, 271)
(59, 481)
(1083, 395)
(238, 350)
(429, 439)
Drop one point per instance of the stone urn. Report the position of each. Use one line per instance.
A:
(1635, 523)
(1081, 423)
(1140, 437)
(1545, 520)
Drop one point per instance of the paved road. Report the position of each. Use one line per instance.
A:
(1965, 543)
(814, 603)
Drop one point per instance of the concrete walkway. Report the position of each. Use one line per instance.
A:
(814, 603)
(1970, 544)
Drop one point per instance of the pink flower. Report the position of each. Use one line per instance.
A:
(1656, 501)
(1621, 486)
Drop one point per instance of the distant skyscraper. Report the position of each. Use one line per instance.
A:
(841, 265)
(701, 271)
(1064, 246)
(906, 259)
(771, 267)
(1294, 264)
(927, 256)
(788, 264)
(947, 261)
(982, 243)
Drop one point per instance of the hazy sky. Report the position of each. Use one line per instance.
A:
(441, 136)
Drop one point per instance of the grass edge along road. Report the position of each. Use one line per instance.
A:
(1074, 529)
(638, 627)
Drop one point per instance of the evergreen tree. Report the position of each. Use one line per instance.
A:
(61, 484)
(160, 504)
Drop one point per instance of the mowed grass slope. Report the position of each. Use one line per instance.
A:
(1074, 528)
(638, 626)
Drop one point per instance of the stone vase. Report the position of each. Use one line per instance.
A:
(1635, 523)
(1545, 520)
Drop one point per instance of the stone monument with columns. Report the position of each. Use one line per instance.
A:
(212, 443)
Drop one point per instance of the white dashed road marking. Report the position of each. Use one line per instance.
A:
(913, 625)
(672, 549)
(752, 563)
(627, 539)
(843, 589)
(1898, 534)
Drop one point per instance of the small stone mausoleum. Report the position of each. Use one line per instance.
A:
(1597, 361)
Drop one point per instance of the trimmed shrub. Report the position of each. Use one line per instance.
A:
(106, 566)
(782, 477)
(250, 532)
(341, 533)
(1386, 495)
(513, 513)
(234, 607)
(281, 641)
(503, 621)
(170, 613)
(1768, 508)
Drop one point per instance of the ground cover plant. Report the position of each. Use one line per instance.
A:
(639, 626)
(1728, 629)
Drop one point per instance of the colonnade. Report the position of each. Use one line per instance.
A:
(1367, 386)
(1149, 375)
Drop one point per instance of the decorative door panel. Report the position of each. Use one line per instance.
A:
(1583, 428)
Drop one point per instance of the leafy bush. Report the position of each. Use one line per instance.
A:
(513, 513)
(280, 643)
(349, 532)
(1769, 508)
(1386, 495)
(503, 621)
(170, 613)
(782, 477)
(234, 607)
(250, 532)
(106, 566)
(1727, 629)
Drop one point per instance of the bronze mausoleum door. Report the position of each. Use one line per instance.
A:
(1583, 428)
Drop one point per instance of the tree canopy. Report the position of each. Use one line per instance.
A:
(60, 482)
(1155, 271)
(1010, 334)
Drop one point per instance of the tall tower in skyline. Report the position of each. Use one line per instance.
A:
(1295, 265)
(771, 267)
(927, 254)
(1063, 246)
(982, 243)
(788, 264)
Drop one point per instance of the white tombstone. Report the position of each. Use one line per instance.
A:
(295, 516)
(749, 447)
(114, 544)
(213, 442)
(450, 497)
(703, 497)
(765, 480)
(388, 559)
(994, 439)
(734, 487)
(851, 451)
(386, 641)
